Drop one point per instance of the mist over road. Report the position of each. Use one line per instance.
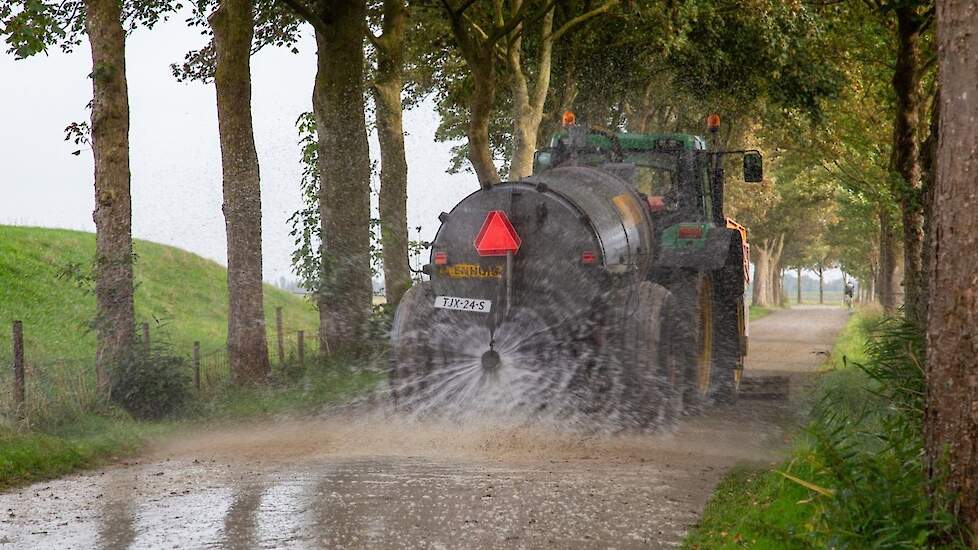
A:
(376, 482)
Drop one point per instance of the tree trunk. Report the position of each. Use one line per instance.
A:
(762, 277)
(640, 118)
(798, 290)
(821, 285)
(774, 271)
(393, 162)
(528, 104)
(905, 157)
(480, 114)
(344, 298)
(233, 25)
(928, 163)
(871, 293)
(951, 421)
(779, 286)
(115, 320)
(888, 283)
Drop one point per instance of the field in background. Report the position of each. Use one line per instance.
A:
(177, 293)
(831, 297)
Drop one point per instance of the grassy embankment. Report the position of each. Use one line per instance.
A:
(181, 295)
(854, 477)
(176, 291)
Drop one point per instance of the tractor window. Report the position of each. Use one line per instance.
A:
(654, 181)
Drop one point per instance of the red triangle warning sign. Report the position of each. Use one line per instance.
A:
(497, 236)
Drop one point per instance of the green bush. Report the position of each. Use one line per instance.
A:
(868, 450)
(856, 478)
(151, 383)
(379, 324)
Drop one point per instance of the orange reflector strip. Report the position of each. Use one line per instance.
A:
(441, 258)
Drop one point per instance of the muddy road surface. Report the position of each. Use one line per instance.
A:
(371, 482)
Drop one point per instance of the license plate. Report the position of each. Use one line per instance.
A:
(463, 304)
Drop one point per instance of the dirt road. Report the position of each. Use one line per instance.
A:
(373, 482)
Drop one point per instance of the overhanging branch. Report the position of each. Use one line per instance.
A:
(306, 14)
(580, 19)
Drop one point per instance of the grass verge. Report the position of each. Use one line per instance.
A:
(96, 438)
(754, 508)
(758, 312)
(856, 477)
(89, 442)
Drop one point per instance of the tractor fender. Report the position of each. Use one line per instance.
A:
(709, 253)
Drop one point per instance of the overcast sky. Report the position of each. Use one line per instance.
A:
(175, 153)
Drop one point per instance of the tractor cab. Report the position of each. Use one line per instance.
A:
(677, 175)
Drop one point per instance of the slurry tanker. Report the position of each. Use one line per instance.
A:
(607, 285)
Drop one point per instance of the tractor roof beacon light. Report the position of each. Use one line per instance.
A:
(713, 123)
(569, 119)
(497, 236)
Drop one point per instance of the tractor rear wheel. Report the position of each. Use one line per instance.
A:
(651, 363)
(728, 346)
(695, 319)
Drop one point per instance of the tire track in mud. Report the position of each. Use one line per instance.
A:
(370, 481)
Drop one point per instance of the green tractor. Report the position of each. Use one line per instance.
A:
(607, 285)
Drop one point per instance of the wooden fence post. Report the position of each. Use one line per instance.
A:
(197, 365)
(302, 349)
(281, 336)
(19, 383)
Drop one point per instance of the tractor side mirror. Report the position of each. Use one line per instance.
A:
(753, 167)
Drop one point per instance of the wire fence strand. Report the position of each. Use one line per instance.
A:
(59, 390)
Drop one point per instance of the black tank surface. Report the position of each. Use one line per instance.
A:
(513, 328)
(580, 228)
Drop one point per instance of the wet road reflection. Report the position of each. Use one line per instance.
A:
(240, 523)
(115, 529)
(369, 503)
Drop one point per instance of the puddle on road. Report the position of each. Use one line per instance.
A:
(369, 480)
(381, 482)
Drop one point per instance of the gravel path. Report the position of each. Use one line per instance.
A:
(373, 482)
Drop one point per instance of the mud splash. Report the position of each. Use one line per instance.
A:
(378, 435)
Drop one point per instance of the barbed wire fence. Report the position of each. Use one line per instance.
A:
(36, 388)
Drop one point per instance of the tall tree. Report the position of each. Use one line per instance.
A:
(529, 100)
(113, 205)
(388, 86)
(912, 20)
(480, 29)
(345, 291)
(233, 24)
(30, 28)
(951, 425)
